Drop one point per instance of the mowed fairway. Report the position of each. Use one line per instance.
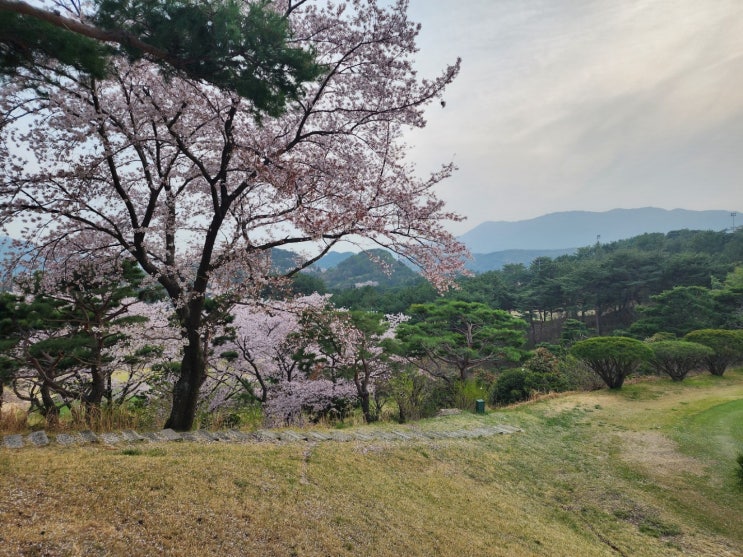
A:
(649, 470)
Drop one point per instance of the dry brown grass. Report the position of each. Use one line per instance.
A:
(586, 477)
(13, 420)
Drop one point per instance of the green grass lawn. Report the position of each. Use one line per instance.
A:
(648, 470)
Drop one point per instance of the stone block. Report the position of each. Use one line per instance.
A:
(169, 435)
(266, 435)
(88, 436)
(317, 436)
(38, 438)
(238, 436)
(66, 440)
(132, 436)
(110, 438)
(13, 441)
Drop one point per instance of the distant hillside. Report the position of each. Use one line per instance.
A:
(576, 229)
(361, 270)
(333, 258)
(483, 262)
(284, 260)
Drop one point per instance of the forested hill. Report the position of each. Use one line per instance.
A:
(575, 229)
(372, 268)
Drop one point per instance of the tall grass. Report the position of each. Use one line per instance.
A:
(13, 420)
(104, 418)
(76, 418)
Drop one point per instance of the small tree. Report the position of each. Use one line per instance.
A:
(346, 345)
(68, 333)
(573, 330)
(677, 357)
(612, 358)
(727, 346)
(258, 350)
(460, 335)
(411, 391)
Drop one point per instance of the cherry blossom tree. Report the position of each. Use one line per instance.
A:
(259, 350)
(181, 175)
(302, 356)
(347, 346)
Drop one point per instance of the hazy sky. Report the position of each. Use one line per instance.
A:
(584, 104)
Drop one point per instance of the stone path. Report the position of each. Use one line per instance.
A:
(41, 439)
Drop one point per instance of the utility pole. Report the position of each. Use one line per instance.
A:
(733, 215)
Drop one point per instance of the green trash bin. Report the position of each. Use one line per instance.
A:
(480, 406)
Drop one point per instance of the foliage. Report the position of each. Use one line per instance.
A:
(599, 289)
(257, 351)
(727, 346)
(679, 311)
(24, 40)
(513, 385)
(466, 393)
(346, 346)
(543, 361)
(612, 358)
(412, 393)
(677, 357)
(729, 300)
(243, 47)
(573, 330)
(69, 331)
(488, 288)
(575, 375)
(541, 373)
(386, 300)
(460, 335)
(180, 175)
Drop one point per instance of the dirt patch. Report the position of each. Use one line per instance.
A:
(657, 454)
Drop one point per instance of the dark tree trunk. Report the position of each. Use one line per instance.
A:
(49, 410)
(361, 379)
(717, 369)
(193, 370)
(97, 387)
(186, 390)
(366, 407)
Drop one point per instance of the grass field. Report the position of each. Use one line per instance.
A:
(648, 470)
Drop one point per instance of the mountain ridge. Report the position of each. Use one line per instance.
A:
(574, 229)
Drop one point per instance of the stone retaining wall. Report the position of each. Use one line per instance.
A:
(41, 439)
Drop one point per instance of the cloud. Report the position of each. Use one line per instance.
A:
(585, 104)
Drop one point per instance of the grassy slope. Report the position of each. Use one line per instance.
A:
(649, 470)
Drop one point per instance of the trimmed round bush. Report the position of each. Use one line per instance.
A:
(727, 346)
(612, 358)
(678, 357)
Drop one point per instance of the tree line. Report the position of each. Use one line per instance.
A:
(95, 337)
(674, 282)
